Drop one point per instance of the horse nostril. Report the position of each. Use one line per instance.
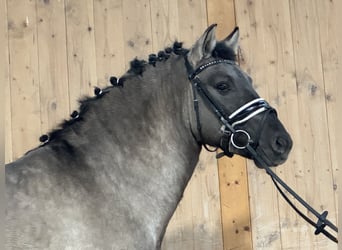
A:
(281, 145)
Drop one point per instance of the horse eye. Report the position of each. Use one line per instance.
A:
(222, 87)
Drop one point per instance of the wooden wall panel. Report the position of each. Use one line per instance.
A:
(280, 49)
(249, 16)
(24, 78)
(196, 223)
(81, 56)
(329, 17)
(192, 20)
(5, 75)
(165, 23)
(4, 79)
(109, 40)
(59, 50)
(313, 112)
(235, 211)
(52, 56)
(137, 29)
(221, 12)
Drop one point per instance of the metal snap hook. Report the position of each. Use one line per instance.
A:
(244, 139)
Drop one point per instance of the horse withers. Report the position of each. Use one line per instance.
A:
(112, 176)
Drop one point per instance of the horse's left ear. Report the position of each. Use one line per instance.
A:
(204, 46)
(232, 40)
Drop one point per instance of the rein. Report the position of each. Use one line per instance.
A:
(230, 135)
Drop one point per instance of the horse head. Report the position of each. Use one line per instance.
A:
(228, 113)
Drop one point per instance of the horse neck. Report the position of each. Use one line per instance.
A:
(138, 140)
(150, 111)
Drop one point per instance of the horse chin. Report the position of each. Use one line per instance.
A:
(270, 161)
(266, 161)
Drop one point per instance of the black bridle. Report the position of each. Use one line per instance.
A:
(229, 135)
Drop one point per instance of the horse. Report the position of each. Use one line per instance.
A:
(112, 175)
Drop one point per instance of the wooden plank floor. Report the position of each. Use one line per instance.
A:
(58, 51)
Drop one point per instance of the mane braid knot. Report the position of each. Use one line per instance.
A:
(137, 66)
(75, 115)
(168, 50)
(178, 49)
(99, 92)
(163, 56)
(152, 59)
(44, 139)
(116, 82)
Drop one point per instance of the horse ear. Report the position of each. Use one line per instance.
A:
(204, 46)
(232, 40)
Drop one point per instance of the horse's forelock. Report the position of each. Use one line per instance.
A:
(224, 52)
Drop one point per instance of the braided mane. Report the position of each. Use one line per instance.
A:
(137, 67)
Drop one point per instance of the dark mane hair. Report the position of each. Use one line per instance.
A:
(137, 67)
(224, 52)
